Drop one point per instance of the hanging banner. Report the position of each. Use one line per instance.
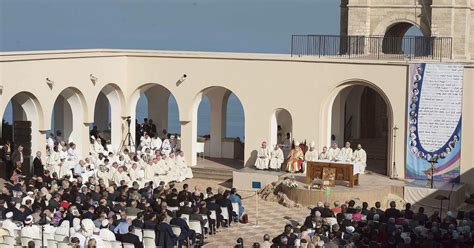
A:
(434, 121)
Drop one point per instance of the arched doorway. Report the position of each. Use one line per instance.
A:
(219, 118)
(406, 38)
(67, 121)
(157, 103)
(281, 126)
(108, 115)
(361, 115)
(21, 124)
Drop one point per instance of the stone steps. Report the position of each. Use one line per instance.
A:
(212, 173)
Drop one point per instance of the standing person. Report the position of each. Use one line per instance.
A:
(7, 158)
(17, 159)
(152, 127)
(38, 167)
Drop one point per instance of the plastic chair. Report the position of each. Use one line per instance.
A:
(148, 242)
(235, 208)
(173, 209)
(106, 243)
(128, 245)
(52, 243)
(10, 240)
(138, 231)
(59, 237)
(25, 240)
(176, 230)
(185, 217)
(213, 215)
(207, 222)
(38, 242)
(64, 244)
(196, 226)
(4, 245)
(225, 215)
(116, 244)
(147, 233)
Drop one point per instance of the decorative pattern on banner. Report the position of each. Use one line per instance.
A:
(434, 121)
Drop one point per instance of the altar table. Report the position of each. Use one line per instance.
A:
(344, 171)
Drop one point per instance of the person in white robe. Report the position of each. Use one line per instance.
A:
(161, 171)
(105, 233)
(334, 152)
(360, 156)
(62, 169)
(145, 140)
(53, 159)
(50, 141)
(166, 147)
(30, 230)
(149, 170)
(9, 225)
(98, 148)
(263, 157)
(103, 173)
(136, 175)
(310, 156)
(181, 163)
(346, 152)
(173, 172)
(324, 155)
(276, 158)
(72, 156)
(120, 176)
(155, 143)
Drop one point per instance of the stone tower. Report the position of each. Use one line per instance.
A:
(393, 18)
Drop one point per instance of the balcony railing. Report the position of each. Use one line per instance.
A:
(373, 47)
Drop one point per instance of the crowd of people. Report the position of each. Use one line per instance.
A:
(298, 154)
(107, 195)
(351, 225)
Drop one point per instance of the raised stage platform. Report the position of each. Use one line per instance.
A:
(250, 178)
(372, 188)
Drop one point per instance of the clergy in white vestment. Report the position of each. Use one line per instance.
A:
(181, 163)
(173, 172)
(346, 153)
(145, 140)
(334, 152)
(73, 156)
(9, 225)
(263, 157)
(50, 141)
(30, 230)
(53, 159)
(276, 158)
(156, 143)
(310, 156)
(149, 170)
(324, 155)
(136, 175)
(360, 156)
(166, 147)
(62, 169)
(98, 148)
(120, 176)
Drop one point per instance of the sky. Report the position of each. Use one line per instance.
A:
(263, 26)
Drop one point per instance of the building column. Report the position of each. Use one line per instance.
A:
(188, 140)
(158, 98)
(218, 120)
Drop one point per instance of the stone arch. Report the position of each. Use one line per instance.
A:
(280, 118)
(69, 115)
(157, 95)
(400, 25)
(327, 109)
(26, 107)
(218, 147)
(110, 96)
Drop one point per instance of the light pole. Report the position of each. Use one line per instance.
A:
(394, 167)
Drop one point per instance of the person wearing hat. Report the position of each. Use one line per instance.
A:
(310, 156)
(276, 158)
(105, 233)
(295, 158)
(30, 230)
(9, 225)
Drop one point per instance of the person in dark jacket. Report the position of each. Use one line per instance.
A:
(130, 238)
(286, 239)
(38, 167)
(164, 236)
(185, 231)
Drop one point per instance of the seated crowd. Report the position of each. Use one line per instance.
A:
(109, 197)
(348, 225)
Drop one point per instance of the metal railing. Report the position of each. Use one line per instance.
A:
(373, 47)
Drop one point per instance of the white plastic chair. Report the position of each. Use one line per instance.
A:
(116, 244)
(52, 243)
(235, 208)
(10, 240)
(147, 233)
(176, 230)
(4, 245)
(148, 242)
(59, 237)
(138, 231)
(173, 209)
(185, 217)
(65, 245)
(25, 240)
(225, 214)
(38, 242)
(196, 226)
(107, 244)
(213, 215)
(128, 245)
(205, 218)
